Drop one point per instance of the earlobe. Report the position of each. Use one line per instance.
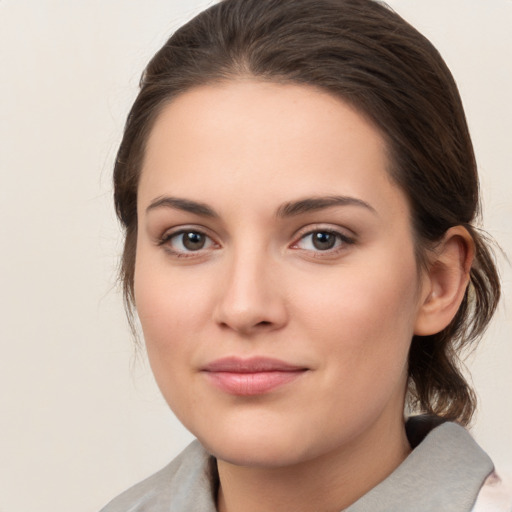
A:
(446, 281)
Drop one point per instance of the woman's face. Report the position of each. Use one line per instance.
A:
(275, 275)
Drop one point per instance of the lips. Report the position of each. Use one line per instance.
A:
(249, 377)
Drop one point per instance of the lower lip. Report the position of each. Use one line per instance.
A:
(250, 384)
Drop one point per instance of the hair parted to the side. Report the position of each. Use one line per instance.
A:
(364, 53)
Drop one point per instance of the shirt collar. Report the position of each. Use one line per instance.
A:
(445, 471)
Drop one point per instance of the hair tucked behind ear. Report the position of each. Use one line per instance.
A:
(437, 383)
(364, 53)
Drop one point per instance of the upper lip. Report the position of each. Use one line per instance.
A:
(250, 365)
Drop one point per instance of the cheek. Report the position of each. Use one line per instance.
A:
(162, 306)
(366, 313)
(164, 312)
(174, 307)
(166, 298)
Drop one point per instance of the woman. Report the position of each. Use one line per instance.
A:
(298, 189)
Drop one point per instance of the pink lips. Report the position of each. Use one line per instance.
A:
(248, 377)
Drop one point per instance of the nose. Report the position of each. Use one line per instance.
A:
(251, 298)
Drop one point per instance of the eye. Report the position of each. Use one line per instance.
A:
(323, 240)
(187, 241)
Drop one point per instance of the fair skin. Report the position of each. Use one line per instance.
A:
(268, 227)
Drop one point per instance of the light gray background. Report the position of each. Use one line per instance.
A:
(80, 416)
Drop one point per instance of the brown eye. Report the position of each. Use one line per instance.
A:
(193, 241)
(323, 240)
(187, 241)
(320, 241)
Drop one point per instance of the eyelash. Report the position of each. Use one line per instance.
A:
(168, 237)
(341, 242)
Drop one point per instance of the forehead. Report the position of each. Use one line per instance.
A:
(264, 140)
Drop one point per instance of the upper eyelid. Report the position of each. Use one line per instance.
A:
(312, 228)
(176, 230)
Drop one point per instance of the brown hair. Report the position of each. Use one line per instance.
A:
(363, 52)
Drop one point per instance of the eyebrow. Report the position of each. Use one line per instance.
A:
(288, 209)
(312, 204)
(186, 205)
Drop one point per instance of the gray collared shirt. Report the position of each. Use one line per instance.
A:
(444, 472)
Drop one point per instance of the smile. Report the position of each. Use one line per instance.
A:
(249, 377)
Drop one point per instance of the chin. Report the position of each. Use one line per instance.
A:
(260, 447)
(263, 455)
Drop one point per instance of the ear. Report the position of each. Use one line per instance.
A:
(445, 281)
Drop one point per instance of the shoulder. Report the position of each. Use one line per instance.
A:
(495, 494)
(184, 484)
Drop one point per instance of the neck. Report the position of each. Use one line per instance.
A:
(328, 483)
